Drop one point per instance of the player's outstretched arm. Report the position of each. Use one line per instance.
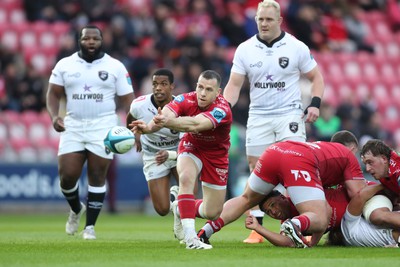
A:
(274, 238)
(356, 204)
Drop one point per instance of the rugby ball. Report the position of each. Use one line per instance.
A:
(119, 140)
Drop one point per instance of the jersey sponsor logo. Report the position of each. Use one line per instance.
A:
(96, 97)
(128, 78)
(152, 111)
(95, 205)
(165, 143)
(218, 114)
(283, 62)
(223, 174)
(285, 151)
(299, 174)
(103, 75)
(179, 98)
(86, 88)
(280, 86)
(74, 75)
(280, 44)
(269, 77)
(257, 65)
(293, 127)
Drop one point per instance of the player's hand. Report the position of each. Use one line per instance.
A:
(160, 120)
(312, 114)
(58, 124)
(161, 156)
(138, 127)
(251, 222)
(138, 144)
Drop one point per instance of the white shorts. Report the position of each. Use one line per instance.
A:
(258, 185)
(80, 135)
(263, 131)
(299, 194)
(153, 171)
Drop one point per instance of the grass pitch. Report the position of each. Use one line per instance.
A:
(140, 240)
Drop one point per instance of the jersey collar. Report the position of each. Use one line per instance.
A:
(280, 37)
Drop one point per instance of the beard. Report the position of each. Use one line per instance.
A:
(90, 56)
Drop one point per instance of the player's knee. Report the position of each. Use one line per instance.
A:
(162, 210)
(213, 214)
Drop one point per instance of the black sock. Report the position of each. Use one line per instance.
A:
(94, 205)
(260, 220)
(73, 200)
(172, 197)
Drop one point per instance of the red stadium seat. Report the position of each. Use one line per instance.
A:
(48, 39)
(28, 39)
(16, 16)
(9, 38)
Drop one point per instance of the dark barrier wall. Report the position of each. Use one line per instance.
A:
(36, 183)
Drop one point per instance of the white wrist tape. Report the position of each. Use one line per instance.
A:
(172, 154)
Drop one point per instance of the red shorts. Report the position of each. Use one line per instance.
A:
(215, 168)
(290, 165)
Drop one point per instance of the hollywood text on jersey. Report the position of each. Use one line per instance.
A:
(96, 97)
(280, 86)
(165, 143)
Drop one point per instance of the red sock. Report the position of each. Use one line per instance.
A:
(186, 205)
(197, 206)
(304, 221)
(217, 224)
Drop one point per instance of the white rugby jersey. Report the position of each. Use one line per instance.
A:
(90, 88)
(358, 232)
(143, 108)
(273, 72)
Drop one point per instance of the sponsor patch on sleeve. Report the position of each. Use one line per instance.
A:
(128, 79)
(218, 114)
(179, 98)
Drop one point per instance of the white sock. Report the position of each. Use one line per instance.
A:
(208, 230)
(189, 228)
(296, 222)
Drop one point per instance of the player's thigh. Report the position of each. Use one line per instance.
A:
(97, 168)
(70, 167)
(159, 189)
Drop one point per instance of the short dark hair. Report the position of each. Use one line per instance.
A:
(274, 193)
(211, 74)
(376, 147)
(90, 27)
(345, 138)
(165, 72)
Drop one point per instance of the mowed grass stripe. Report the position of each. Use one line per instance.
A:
(140, 240)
